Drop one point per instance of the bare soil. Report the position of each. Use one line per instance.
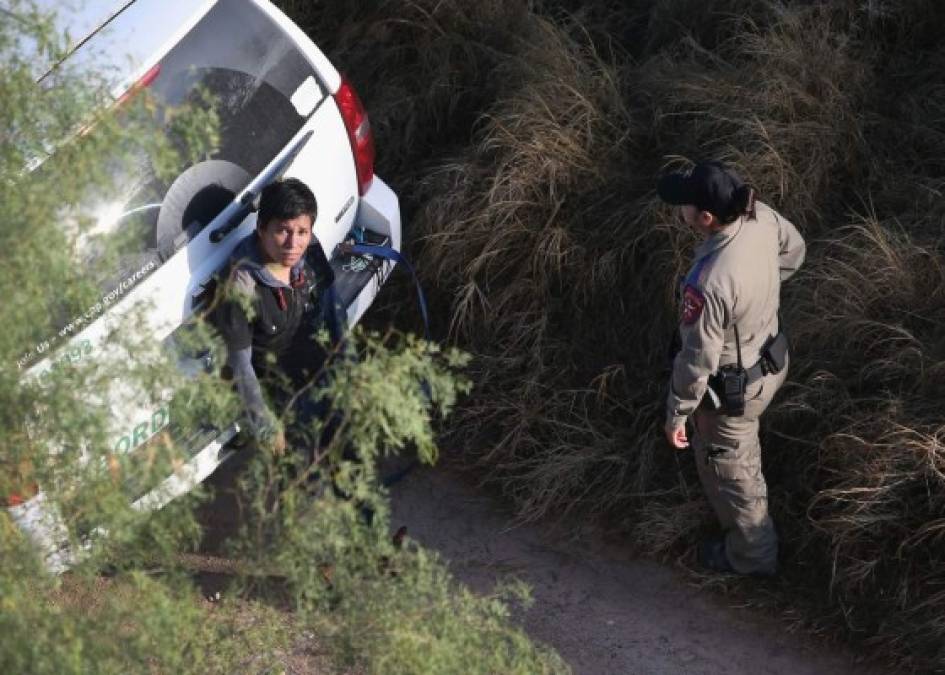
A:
(602, 608)
(604, 611)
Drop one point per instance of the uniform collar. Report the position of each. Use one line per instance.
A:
(720, 239)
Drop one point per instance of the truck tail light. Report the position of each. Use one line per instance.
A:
(143, 82)
(17, 498)
(359, 133)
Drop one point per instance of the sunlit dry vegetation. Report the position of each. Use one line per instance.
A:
(525, 139)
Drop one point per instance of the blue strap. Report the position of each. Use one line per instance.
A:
(334, 316)
(692, 279)
(388, 253)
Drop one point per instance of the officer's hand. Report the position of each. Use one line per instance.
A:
(273, 441)
(277, 444)
(676, 436)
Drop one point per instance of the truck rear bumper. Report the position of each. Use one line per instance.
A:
(358, 285)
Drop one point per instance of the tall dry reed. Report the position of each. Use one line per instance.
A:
(525, 139)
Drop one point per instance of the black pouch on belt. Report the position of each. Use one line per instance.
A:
(730, 384)
(774, 354)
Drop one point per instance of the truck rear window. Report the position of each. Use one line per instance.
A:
(245, 66)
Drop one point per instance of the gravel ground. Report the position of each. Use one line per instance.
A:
(601, 608)
(604, 611)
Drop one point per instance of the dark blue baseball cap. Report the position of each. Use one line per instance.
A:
(709, 186)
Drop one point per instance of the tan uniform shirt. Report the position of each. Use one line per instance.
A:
(735, 279)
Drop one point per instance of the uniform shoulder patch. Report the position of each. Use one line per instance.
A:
(692, 303)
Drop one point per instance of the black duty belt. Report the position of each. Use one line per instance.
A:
(772, 358)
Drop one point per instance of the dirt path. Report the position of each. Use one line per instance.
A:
(602, 610)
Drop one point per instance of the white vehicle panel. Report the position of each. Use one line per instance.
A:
(166, 296)
(327, 167)
(378, 210)
(163, 297)
(325, 163)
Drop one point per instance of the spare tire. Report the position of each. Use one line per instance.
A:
(195, 198)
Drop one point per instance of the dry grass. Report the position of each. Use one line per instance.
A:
(524, 140)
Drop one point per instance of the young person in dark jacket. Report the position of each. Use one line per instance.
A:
(277, 296)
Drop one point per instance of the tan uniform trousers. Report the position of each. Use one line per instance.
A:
(728, 456)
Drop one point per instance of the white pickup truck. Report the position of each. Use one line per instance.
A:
(284, 111)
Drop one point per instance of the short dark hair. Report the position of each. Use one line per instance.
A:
(286, 199)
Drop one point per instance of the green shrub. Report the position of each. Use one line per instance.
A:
(131, 601)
